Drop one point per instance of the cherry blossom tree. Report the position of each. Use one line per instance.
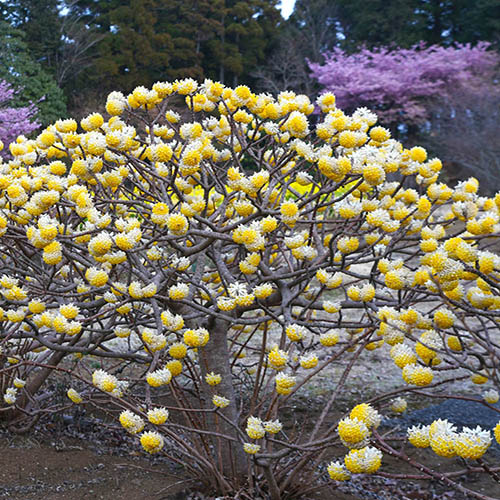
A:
(401, 83)
(14, 121)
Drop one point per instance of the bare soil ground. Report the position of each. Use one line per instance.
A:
(68, 468)
(45, 472)
(59, 461)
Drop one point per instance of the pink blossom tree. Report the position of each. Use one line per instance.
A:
(14, 121)
(401, 83)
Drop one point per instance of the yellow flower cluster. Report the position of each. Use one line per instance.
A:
(367, 414)
(284, 383)
(213, 378)
(153, 341)
(159, 377)
(158, 416)
(131, 422)
(74, 396)
(497, 432)
(104, 381)
(152, 441)
(418, 375)
(445, 441)
(399, 405)
(178, 350)
(366, 460)
(255, 429)
(491, 396)
(338, 472)
(251, 448)
(353, 432)
(196, 338)
(220, 401)
(277, 358)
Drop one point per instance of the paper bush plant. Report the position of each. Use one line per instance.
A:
(195, 270)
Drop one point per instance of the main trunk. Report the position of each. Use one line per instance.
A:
(214, 357)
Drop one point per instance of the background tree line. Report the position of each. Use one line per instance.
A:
(86, 48)
(66, 55)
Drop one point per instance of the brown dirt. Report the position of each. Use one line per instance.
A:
(67, 468)
(30, 470)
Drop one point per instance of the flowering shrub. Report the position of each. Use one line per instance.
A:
(14, 121)
(398, 83)
(142, 260)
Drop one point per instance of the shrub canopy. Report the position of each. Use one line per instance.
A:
(225, 255)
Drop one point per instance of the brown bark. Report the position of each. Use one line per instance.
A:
(214, 357)
(33, 386)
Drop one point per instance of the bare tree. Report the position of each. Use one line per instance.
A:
(310, 31)
(287, 68)
(473, 114)
(318, 22)
(75, 54)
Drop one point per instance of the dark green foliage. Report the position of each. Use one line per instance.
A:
(464, 21)
(379, 22)
(42, 26)
(148, 40)
(193, 26)
(20, 69)
(404, 23)
(133, 50)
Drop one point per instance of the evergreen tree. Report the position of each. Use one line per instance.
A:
(476, 21)
(404, 23)
(149, 40)
(463, 21)
(19, 69)
(41, 24)
(222, 39)
(133, 50)
(248, 31)
(192, 24)
(379, 22)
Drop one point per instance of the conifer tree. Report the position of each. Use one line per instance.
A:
(18, 68)
(149, 40)
(192, 25)
(134, 52)
(404, 23)
(41, 23)
(379, 22)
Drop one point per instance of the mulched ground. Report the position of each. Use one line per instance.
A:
(459, 412)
